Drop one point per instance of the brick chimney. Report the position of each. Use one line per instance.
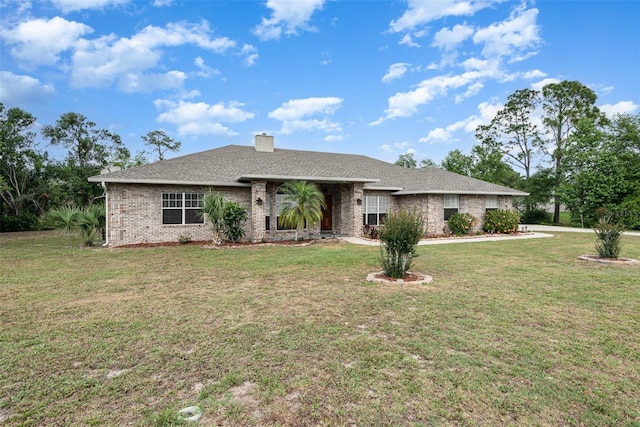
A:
(264, 143)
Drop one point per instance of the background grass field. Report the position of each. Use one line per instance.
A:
(509, 333)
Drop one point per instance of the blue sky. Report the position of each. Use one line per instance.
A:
(377, 78)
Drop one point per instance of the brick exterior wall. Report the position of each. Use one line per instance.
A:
(134, 211)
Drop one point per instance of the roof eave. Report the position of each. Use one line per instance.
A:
(474, 192)
(306, 178)
(99, 179)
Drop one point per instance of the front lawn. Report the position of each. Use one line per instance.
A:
(517, 332)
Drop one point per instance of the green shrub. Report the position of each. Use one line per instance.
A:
(399, 237)
(184, 238)
(25, 222)
(501, 221)
(233, 218)
(535, 216)
(462, 223)
(608, 235)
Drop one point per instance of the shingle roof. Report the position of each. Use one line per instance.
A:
(235, 165)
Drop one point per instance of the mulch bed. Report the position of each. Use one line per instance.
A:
(226, 245)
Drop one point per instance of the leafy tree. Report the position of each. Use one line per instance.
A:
(512, 132)
(595, 176)
(89, 150)
(456, 161)
(623, 136)
(406, 161)
(428, 163)
(301, 206)
(160, 143)
(487, 165)
(21, 164)
(564, 104)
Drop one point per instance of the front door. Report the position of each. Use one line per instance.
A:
(327, 214)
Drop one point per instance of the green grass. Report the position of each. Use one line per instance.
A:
(509, 333)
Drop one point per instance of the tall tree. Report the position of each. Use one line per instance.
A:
(456, 161)
(302, 205)
(88, 150)
(594, 176)
(21, 164)
(406, 161)
(564, 104)
(160, 143)
(512, 131)
(487, 165)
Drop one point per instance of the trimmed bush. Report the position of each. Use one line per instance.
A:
(25, 222)
(501, 221)
(399, 237)
(609, 233)
(234, 216)
(462, 223)
(536, 216)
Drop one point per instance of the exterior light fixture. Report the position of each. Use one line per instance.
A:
(259, 201)
(359, 202)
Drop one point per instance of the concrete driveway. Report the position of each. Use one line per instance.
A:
(535, 232)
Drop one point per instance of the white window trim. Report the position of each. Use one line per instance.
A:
(182, 201)
(488, 205)
(375, 205)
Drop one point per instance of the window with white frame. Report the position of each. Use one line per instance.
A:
(451, 205)
(491, 203)
(182, 208)
(375, 209)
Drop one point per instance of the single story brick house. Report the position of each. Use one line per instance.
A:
(160, 202)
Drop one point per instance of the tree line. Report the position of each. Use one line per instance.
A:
(32, 181)
(558, 146)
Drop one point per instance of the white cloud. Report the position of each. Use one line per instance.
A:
(422, 12)
(199, 118)
(67, 6)
(487, 112)
(512, 36)
(534, 74)
(41, 41)
(542, 83)
(297, 108)
(436, 135)
(407, 40)
(287, 16)
(205, 70)
(406, 104)
(107, 60)
(162, 3)
(396, 71)
(250, 54)
(144, 83)
(334, 138)
(294, 115)
(622, 107)
(18, 89)
(386, 148)
(472, 90)
(448, 39)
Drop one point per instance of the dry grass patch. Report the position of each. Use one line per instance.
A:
(514, 332)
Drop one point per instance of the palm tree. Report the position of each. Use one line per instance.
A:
(214, 210)
(302, 205)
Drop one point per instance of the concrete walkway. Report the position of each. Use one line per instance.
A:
(535, 232)
(551, 228)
